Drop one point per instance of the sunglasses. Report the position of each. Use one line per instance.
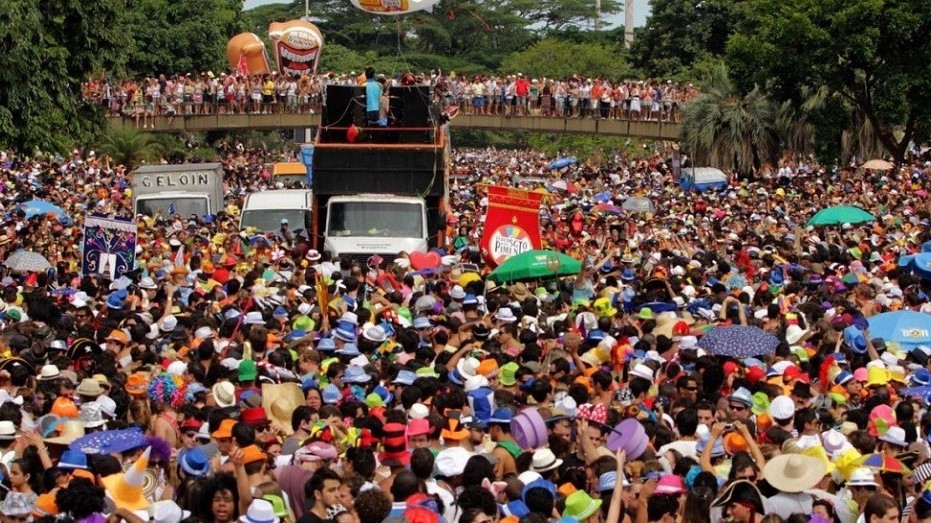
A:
(691, 389)
(738, 408)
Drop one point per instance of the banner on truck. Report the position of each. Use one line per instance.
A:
(512, 224)
(109, 246)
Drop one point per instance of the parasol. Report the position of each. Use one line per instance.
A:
(41, 207)
(841, 214)
(27, 261)
(739, 341)
(878, 165)
(110, 441)
(637, 204)
(607, 208)
(885, 463)
(535, 264)
(907, 328)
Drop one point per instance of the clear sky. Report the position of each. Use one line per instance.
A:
(641, 9)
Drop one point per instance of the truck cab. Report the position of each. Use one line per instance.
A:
(364, 224)
(265, 210)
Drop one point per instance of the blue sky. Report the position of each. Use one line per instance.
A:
(641, 9)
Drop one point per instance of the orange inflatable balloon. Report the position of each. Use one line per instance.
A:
(297, 45)
(247, 51)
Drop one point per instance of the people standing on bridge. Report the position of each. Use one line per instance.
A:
(373, 91)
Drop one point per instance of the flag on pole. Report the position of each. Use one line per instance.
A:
(179, 256)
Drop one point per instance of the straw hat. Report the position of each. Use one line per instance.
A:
(794, 472)
(70, 431)
(126, 489)
(279, 402)
(225, 395)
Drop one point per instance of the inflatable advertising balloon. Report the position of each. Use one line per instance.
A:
(394, 7)
(245, 53)
(297, 46)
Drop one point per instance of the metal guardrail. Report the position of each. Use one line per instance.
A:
(231, 122)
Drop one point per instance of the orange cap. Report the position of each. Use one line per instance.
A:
(65, 408)
(225, 430)
(251, 453)
(45, 505)
(487, 367)
(136, 384)
(118, 335)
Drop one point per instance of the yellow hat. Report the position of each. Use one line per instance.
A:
(818, 452)
(848, 461)
(877, 376)
(126, 488)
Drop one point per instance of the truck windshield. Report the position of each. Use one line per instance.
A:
(166, 206)
(270, 219)
(376, 219)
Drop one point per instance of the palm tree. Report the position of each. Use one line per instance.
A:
(129, 147)
(725, 129)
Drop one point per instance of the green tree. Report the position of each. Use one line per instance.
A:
(562, 15)
(49, 48)
(681, 33)
(725, 129)
(180, 37)
(554, 58)
(130, 147)
(870, 52)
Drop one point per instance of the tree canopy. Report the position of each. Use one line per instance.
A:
(873, 53)
(49, 48)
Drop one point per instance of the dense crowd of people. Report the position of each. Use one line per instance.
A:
(207, 93)
(236, 376)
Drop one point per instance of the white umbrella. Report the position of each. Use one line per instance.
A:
(27, 261)
(878, 165)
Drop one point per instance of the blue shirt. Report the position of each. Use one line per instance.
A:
(372, 95)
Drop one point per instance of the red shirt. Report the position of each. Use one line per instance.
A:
(522, 87)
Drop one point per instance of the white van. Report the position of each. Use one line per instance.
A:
(265, 210)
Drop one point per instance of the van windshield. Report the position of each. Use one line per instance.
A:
(376, 219)
(268, 220)
(170, 206)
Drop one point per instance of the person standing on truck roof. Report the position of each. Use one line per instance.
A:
(373, 92)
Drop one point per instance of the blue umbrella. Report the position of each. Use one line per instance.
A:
(37, 207)
(739, 341)
(919, 264)
(907, 328)
(109, 441)
(559, 163)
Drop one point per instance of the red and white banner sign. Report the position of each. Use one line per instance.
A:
(512, 224)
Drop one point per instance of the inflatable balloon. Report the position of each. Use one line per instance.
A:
(245, 53)
(297, 46)
(394, 7)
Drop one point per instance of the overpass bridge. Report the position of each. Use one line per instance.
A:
(232, 122)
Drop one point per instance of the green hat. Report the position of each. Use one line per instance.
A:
(540, 292)
(581, 506)
(507, 374)
(303, 323)
(646, 313)
(404, 312)
(801, 353)
(374, 400)
(277, 505)
(427, 372)
(247, 370)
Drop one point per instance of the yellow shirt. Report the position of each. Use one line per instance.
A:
(268, 88)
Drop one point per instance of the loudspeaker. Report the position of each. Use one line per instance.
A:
(411, 105)
(345, 105)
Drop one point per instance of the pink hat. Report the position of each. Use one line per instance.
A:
(418, 427)
(669, 484)
(860, 374)
(881, 418)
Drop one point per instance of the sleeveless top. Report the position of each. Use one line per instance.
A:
(511, 447)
